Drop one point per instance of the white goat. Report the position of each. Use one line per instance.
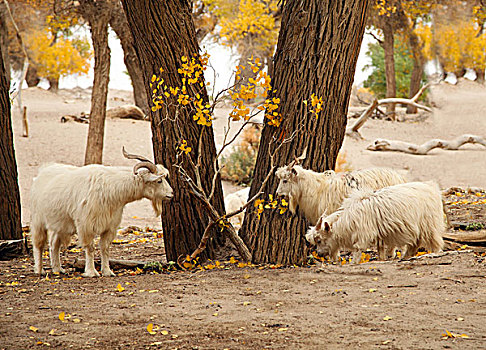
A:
(319, 193)
(235, 201)
(408, 215)
(89, 200)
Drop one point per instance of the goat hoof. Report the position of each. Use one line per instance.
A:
(58, 271)
(42, 272)
(108, 273)
(91, 274)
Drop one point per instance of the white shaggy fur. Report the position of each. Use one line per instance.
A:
(317, 193)
(407, 215)
(235, 201)
(89, 201)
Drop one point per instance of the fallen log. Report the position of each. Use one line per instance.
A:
(115, 264)
(477, 238)
(353, 129)
(11, 249)
(406, 147)
(120, 112)
(125, 112)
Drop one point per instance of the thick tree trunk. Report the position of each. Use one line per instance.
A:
(53, 84)
(479, 75)
(98, 14)
(31, 77)
(4, 41)
(163, 32)
(391, 84)
(119, 24)
(10, 225)
(316, 53)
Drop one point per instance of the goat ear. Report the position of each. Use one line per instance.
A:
(326, 226)
(293, 171)
(319, 224)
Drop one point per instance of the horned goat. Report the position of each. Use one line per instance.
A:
(316, 193)
(235, 201)
(89, 201)
(408, 215)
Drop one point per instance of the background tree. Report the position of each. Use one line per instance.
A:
(10, 225)
(404, 64)
(164, 32)
(315, 55)
(119, 24)
(98, 14)
(251, 26)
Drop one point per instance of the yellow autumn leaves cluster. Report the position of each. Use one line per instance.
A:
(260, 205)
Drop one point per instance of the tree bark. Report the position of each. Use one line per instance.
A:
(4, 41)
(10, 225)
(316, 53)
(119, 24)
(53, 84)
(163, 32)
(31, 77)
(391, 84)
(479, 75)
(98, 14)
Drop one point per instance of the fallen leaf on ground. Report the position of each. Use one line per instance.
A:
(387, 318)
(150, 328)
(120, 288)
(33, 329)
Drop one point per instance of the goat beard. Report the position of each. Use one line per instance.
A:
(157, 206)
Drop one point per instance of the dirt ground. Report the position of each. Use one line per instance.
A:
(427, 303)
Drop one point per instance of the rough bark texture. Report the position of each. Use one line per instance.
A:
(391, 84)
(163, 32)
(53, 84)
(479, 75)
(4, 40)
(119, 24)
(10, 226)
(98, 14)
(317, 49)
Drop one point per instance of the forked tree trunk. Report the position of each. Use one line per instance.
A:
(391, 84)
(163, 32)
(316, 53)
(98, 14)
(119, 24)
(10, 225)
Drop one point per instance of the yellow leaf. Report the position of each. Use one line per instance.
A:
(153, 78)
(120, 288)
(283, 329)
(387, 318)
(33, 329)
(62, 315)
(150, 328)
(164, 332)
(371, 290)
(76, 320)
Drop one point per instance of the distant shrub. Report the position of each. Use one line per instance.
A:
(240, 164)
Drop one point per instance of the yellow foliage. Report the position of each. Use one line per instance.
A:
(457, 44)
(60, 57)
(246, 19)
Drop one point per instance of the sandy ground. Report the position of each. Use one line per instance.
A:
(428, 303)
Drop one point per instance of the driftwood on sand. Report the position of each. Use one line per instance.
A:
(352, 130)
(119, 112)
(406, 147)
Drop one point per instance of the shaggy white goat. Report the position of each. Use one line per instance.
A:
(235, 201)
(408, 215)
(89, 201)
(319, 193)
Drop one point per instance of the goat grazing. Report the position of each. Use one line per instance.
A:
(407, 215)
(89, 200)
(319, 193)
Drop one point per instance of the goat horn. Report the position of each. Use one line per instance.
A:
(146, 164)
(298, 159)
(134, 156)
